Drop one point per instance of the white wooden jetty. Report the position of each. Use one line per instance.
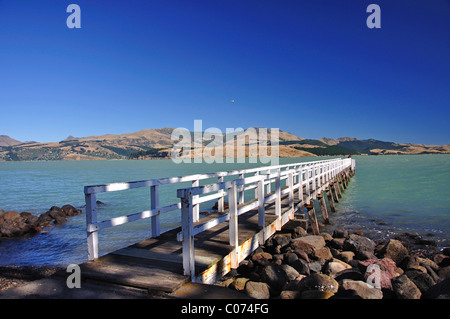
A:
(252, 205)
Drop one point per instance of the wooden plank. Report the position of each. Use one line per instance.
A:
(134, 276)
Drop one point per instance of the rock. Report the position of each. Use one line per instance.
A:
(70, 211)
(422, 280)
(290, 294)
(439, 291)
(299, 231)
(346, 256)
(11, 215)
(323, 253)
(239, 283)
(350, 273)
(427, 262)
(327, 237)
(301, 254)
(291, 273)
(336, 266)
(59, 220)
(257, 290)
(262, 259)
(14, 227)
(294, 284)
(301, 266)
(55, 211)
(385, 272)
(281, 240)
(405, 288)
(45, 218)
(315, 267)
(340, 233)
(442, 260)
(444, 272)
(319, 282)
(394, 250)
(446, 251)
(362, 289)
(25, 215)
(274, 276)
(363, 247)
(337, 243)
(317, 242)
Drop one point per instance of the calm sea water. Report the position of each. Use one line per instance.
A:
(402, 193)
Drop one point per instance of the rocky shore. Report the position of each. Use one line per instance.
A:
(14, 224)
(297, 265)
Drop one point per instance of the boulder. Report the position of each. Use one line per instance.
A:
(257, 290)
(323, 253)
(301, 266)
(350, 273)
(340, 233)
(281, 240)
(405, 288)
(290, 294)
(319, 282)
(394, 250)
(362, 289)
(346, 256)
(291, 273)
(439, 291)
(444, 272)
(274, 276)
(381, 269)
(363, 247)
(336, 266)
(11, 215)
(262, 259)
(70, 211)
(317, 242)
(423, 281)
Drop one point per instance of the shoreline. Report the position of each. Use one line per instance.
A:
(309, 261)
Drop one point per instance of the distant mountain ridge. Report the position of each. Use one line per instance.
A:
(157, 143)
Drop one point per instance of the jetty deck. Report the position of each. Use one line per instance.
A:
(206, 247)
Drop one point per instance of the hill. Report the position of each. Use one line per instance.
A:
(157, 143)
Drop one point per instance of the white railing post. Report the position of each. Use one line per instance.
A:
(187, 227)
(241, 190)
(278, 199)
(91, 226)
(196, 208)
(234, 239)
(308, 187)
(154, 204)
(291, 189)
(261, 210)
(221, 201)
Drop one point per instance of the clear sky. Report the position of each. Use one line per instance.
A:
(309, 67)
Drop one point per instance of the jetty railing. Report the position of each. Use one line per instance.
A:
(312, 175)
(306, 179)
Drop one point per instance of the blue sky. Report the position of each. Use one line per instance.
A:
(312, 68)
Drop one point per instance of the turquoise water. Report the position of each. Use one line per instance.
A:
(404, 193)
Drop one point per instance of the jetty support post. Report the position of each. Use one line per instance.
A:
(91, 225)
(323, 207)
(330, 199)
